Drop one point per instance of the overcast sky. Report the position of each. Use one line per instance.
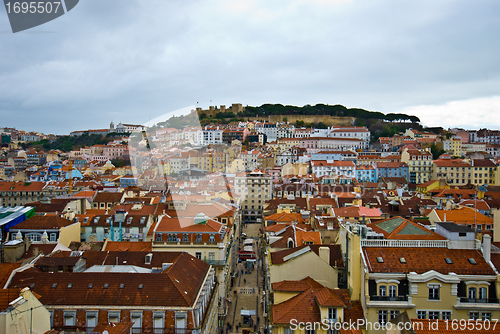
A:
(133, 60)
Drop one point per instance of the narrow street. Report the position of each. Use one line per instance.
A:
(246, 292)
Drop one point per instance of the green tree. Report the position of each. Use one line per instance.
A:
(436, 152)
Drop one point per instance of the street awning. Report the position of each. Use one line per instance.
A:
(247, 312)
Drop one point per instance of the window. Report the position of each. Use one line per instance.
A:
(69, 318)
(34, 236)
(421, 314)
(433, 315)
(446, 315)
(483, 294)
(91, 320)
(180, 323)
(136, 318)
(392, 291)
(486, 316)
(382, 290)
(198, 238)
(473, 315)
(158, 322)
(433, 292)
(332, 314)
(382, 317)
(393, 314)
(472, 293)
(211, 256)
(211, 238)
(114, 316)
(198, 255)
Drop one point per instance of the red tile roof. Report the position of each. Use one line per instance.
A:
(419, 261)
(177, 286)
(6, 296)
(128, 246)
(43, 223)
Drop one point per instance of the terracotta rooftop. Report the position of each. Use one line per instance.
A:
(296, 286)
(177, 286)
(113, 328)
(305, 307)
(43, 223)
(403, 229)
(418, 260)
(5, 271)
(299, 237)
(6, 296)
(145, 246)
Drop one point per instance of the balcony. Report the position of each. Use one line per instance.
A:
(389, 298)
(396, 301)
(464, 303)
(479, 300)
(215, 262)
(404, 243)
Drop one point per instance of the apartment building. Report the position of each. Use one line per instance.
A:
(419, 164)
(255, 189)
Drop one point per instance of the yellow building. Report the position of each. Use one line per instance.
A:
(321, 262)
(451, 284)
(306, 306)
(453, 146)
(22, 313)
(419, 164)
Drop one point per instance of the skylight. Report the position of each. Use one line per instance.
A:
(140, 286)
(54, 285)
(448, 260)
(402, 260)
(122, 286)
(70, 285)
(90, 285)
(106, 286)
(380, 259)
(472, 261)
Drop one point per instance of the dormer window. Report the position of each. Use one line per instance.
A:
(129, 220)
(96, 220)
(332, 314)
(212, 238)
(143, 220)
(198, 238)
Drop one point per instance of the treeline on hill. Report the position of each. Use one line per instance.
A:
(323, 109)
(68, 143)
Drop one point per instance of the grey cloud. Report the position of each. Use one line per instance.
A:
(131, 60)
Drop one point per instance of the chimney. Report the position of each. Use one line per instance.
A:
(324, 254)
(487, 247)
